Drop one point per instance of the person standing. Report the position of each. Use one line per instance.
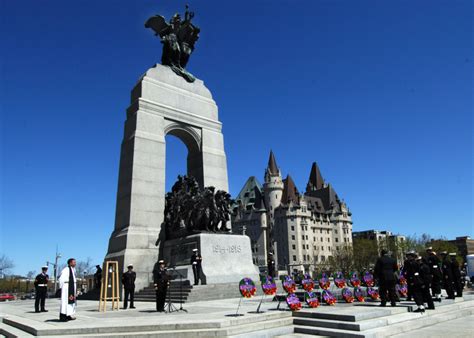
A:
(408, 272)
(98, 276)
(271, 265)
(196, 260)
(41, 289)
(427, 277)
(456, 274)
(385, 268)
(435, 268)
(128, 282)
(448, 278)
(67, 283)
(161, 281)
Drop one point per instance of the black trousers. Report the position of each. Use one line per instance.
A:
(40, 298)
(449, 287)
(161, 298)
(129, 294)
(436, 285)
(422, 295)
(196, 273)
(387, 292)
(459, 288)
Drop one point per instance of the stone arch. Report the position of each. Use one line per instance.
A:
(192, 138)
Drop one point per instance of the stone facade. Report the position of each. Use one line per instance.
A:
(302, 230)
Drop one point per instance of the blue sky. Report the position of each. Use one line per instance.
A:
(379, 93)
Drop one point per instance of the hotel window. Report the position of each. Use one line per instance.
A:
(293, 237)
(294, 258)
(292, 228)
(337, 240)
(294, 247)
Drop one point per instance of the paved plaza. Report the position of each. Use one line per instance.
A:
(217, 319)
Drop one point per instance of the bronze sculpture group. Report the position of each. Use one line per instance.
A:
(178, 38)
(189, 209)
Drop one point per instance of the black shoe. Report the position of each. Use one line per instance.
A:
(70, 318)
(62, 318)
(132, 307)
(393, 304)
(124, 308)
(408, 299)
(419, 310)
(382, 305)
(430, 307)
(37, 311)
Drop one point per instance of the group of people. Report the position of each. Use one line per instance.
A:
(425, 277)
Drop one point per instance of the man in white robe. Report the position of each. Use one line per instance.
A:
(67, 283)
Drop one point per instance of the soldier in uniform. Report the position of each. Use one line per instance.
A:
(456, 274)
(128, 282)
(385, 268)
(98, 276)
(408, 272)
(161, 280)
(41, 287)
(448, 278)
(271, 265)
(427, 277)
(435, 268)
(196, 260)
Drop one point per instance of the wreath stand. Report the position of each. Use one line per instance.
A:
(111, 272)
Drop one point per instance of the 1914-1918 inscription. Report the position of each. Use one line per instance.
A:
(226, 249)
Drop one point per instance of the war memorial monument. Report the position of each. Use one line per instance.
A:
(168, 100)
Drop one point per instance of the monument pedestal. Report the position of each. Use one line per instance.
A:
(226, 258)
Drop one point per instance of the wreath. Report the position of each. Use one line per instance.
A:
(269, 287)
(289, 285)
(347, 295)
(247, 288)
(311, 299)
(402, 280)
(402, 290)
(328, 297)
(374, 294)
(355, 281)
(324, 282)
(359, 295)
(369, 279)
(308, 283)
(293, 302)
(339, 280)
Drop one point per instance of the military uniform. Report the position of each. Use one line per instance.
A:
(161, 281)
(271, 266)
(448, 278)
(128, 282)
(435, 268)
(41, 288)
(456, 275)
(408, 272)
(385, 268)
(196, 260)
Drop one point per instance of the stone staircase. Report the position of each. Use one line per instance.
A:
(185, 292)
(379, 322)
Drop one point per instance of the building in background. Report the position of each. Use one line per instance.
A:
(301, 230)
(465, 246)
(385, 240)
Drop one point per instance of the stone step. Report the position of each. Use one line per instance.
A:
(12, 332)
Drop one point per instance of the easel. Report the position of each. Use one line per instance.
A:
(111, 271)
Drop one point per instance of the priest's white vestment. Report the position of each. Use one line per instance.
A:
(66, 308)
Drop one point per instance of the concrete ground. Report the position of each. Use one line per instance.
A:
(458, 328)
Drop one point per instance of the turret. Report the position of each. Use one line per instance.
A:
(316, 180)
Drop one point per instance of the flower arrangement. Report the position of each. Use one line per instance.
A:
(359, 295)
(324, 282)
(293, 302)
(339, 280)
(374, 294)
(311, 299)
(402, 290)
(308, 283)
(355, 281)
(347, 295)
(289, 285)
(247, 288)
(369, 279)
(329, 297)
(269, 286)
(402, 280)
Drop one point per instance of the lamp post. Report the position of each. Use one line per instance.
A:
(55, 267)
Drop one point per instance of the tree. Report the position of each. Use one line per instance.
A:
(365, 253)
(6, 265)
(342, 260)
(83, 267)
